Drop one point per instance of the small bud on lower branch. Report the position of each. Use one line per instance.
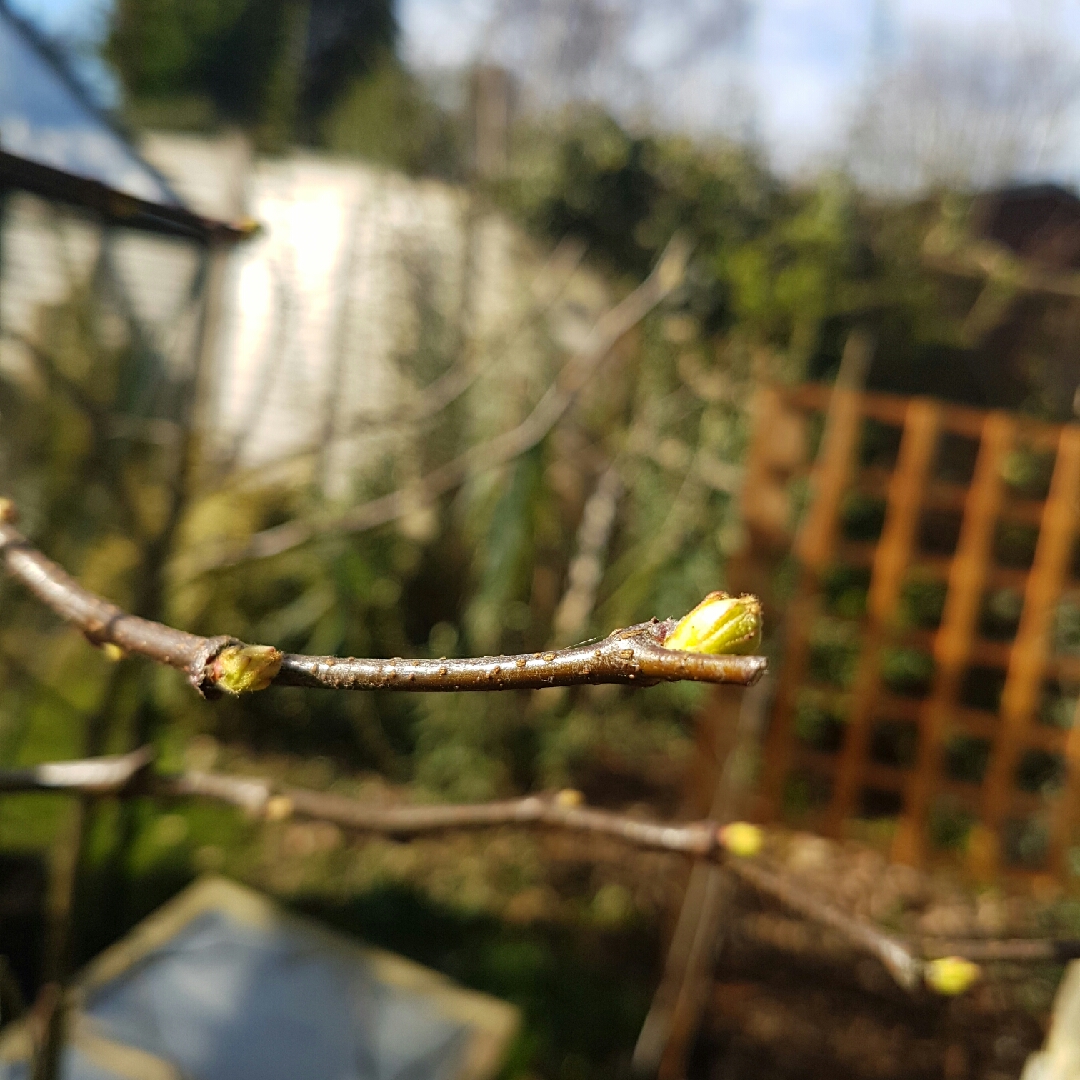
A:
(951, 975)
(742, 839)
(948, 975)
(278, 808)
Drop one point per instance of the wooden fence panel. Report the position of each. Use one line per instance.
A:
(993, 782)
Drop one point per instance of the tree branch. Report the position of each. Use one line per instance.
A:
(896, 955)
(634, 655)
(91, 776)
(700, 839)
(551, 407)
(128, 775)
(906, 961)
(56, 377)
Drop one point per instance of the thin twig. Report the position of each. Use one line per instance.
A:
(896, 955)
(551, 407)
(50, 369)
(1005, 950)
(633, 656)
(129, 775)
(696, 838)
(90, 776)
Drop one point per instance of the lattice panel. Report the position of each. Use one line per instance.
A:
(931, 659)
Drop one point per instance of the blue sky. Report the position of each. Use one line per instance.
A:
(804, 63)
(802, 66)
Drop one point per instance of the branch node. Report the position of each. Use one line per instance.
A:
(200, 671)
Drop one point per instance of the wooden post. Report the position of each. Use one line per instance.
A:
(953, 641)
(813, 548)
(666, 1039)
(891, 558)
(1028, 660)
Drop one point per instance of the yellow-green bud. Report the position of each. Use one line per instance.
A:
(742, 839)
(951, 975)
(719, 624)
(240, 669)
(278, 808)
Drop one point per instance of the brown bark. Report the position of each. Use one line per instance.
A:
(633, 655)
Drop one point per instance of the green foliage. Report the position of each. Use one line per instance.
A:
(862, 517)
(1067, 627)
(797, 268)
(966, 758)
(844, 589)
(1014, 543)
(276, 67)
(1058, 706)
(922, 602)
(821, 727)
(626, 194)
(834, 653)
(950, 825)
(505, 558)
(1000, 616)
(894, 742)
(388, 117)
(1027, 472)
(907, 671)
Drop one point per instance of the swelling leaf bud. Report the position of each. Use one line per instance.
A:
(742, 839)
(951, 975)
(240, 669)
(719, 624)
(278, 808)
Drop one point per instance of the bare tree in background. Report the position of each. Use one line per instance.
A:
(617, 51)
(964, 112)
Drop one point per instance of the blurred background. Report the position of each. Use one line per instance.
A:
(322, 410)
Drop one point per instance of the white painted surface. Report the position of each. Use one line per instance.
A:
(352, 299)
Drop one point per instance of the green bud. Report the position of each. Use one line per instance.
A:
(742, 839)
(951, 975)
(719, 624)
(240, 669)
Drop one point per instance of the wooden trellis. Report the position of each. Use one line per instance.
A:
(909, 724)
